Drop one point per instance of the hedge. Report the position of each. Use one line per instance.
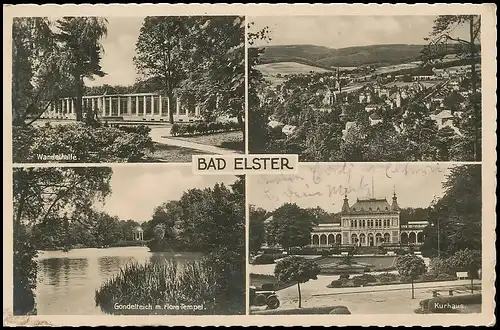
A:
(308, 310)
(429, 305)
(263, 259)
(202, 128)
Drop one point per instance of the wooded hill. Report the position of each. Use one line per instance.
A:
(325, 57)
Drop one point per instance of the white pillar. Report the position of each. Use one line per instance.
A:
(144, 105)
(119, 106)
(137, 105)
(152, 105)
(168, 106)
(197, 110)
(103, 103)
(67, 106)
(129, 105)
(110, 106)
(160, 104)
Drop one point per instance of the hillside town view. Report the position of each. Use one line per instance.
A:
(391, 101)
(347, 239)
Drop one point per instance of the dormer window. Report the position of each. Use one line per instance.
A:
(378, 208)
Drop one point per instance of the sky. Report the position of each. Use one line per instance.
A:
(347, 31)
(119, 49)
(330, 31)
(324, 185)
(137, 190)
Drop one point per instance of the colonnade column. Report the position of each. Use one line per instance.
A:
(160, 105)
(152, 105)
(137, 105)
(144, 105)
(103, 102)
(129, 105)
(110, 106)
(119, 106)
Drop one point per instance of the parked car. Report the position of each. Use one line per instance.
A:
(260, 297)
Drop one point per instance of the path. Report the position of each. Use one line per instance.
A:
(384, 299)
(158, 134)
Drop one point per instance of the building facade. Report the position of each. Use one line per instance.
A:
(368, 222)
(133, 107)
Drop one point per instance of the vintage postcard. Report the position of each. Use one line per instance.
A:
(249, 164)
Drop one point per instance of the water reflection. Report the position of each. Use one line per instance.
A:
(67, 281)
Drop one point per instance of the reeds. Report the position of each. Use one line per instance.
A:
(160, 284)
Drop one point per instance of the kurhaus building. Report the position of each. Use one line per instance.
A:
(368, 222)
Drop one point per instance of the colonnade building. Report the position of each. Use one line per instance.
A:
(133, 107)
(368, 222)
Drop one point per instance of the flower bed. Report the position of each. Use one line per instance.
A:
(386, 279)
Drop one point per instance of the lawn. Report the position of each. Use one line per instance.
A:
(378, 262)
(229, 140)
(172, 154)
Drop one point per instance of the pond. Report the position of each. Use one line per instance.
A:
(67, 280)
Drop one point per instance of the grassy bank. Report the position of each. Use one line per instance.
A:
(172, 154)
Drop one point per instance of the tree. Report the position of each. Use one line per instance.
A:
(38, 75)
(411, 266)
(216, 76)
(468, 260)
(257, 231)
(291, 226)
(458, 213)
(296, 269)
(163, 52)
(47, 193)
(80, 38)
(440, 37)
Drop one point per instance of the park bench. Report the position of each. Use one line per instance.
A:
(462, 275)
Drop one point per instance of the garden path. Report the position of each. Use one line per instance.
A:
(158, 134)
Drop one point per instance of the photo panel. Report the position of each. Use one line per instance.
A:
(366, 239)
(366, 88)
(128, 240)
(106, 89)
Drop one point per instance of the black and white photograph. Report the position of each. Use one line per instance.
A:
(365, 88)
(366, 239)
(127, 89)
(129, 240)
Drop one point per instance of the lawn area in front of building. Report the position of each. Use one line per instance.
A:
(172, 154)
(228, 140)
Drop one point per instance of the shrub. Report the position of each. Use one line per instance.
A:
(86, 143)
(325, 253)
(445, 304)
(301, 311)
(263, 259)
(202, 128)
(344, 276)
(336, 284)
(427, 277)
(387, 277)
(340, 310)
(446, 277)
(359, 281)
(271, 251)
(369, 278)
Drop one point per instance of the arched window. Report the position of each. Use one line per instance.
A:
(322, 239)
(387, 238)
(315, 240)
